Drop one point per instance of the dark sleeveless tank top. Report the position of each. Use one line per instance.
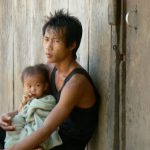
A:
(81, 122)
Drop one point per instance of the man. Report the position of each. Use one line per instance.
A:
(76, 112)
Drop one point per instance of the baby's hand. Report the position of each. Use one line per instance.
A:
(26, 98)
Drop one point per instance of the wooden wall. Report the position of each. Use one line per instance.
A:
(21, 45)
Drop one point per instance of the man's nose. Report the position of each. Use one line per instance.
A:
(49, 45)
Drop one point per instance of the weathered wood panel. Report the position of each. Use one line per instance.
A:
(6, 56)
(84, 16)
(22, 51)
(99, 66)
(58, 4)
(138, 77)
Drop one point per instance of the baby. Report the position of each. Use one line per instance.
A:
(34, 107)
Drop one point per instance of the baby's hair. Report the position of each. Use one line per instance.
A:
(36, 69)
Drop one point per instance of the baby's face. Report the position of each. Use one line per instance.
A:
(35, 85)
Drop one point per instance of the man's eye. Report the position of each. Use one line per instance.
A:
(56, 40)
(46, 39)
(38, 85)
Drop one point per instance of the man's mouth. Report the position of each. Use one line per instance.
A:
(49, 55)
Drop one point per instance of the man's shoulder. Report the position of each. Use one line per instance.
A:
(78, 81)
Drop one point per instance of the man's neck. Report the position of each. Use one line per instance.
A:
(66, 67)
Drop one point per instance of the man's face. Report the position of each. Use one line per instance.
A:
(54, 47)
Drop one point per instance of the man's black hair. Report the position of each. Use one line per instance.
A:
(69, 25)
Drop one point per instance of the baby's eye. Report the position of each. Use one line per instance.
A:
(29, 86)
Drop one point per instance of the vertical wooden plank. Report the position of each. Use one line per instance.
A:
(58, 4)
(99, 66)
(138, 73)
(35, 17)
(6, 56)
(84, 15)
(21, 45)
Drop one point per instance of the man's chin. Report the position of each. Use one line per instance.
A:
(49, 61)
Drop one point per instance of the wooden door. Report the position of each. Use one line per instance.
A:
(137, 75)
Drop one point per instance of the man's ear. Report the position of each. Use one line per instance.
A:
(73, 45)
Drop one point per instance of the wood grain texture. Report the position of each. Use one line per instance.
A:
(81, 9)
(138, 73)
(99, 65)
(6, 56)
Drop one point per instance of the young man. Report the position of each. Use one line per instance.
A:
(76, 112)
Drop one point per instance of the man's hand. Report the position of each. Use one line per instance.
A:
(5, 121)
